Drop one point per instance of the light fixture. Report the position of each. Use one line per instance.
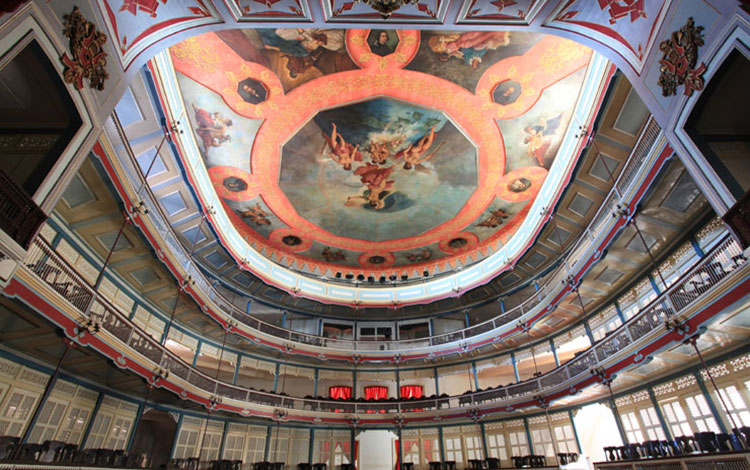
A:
(387, 7)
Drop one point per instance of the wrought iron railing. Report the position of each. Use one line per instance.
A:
(580, 253)
(20, 217)
(716, 266)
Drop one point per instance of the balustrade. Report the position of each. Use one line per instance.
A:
(723, 260)
(580, 252)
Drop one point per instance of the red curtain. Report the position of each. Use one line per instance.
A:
(376, 392)
(398, 466)
(340, 392)
(411, 391)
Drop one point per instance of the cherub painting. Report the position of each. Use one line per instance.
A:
(539, 137)
(495, 219)
(340, 150)
(257, 215)
(469, 47)
(212, 128)
(377, 184)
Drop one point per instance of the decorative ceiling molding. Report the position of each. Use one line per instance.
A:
(269, 10)
(499, 12)
(356, 11)
(627, 27)
(137, 24)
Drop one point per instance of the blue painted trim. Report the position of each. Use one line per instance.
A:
(696, 247)
(709, 399)
(311, 446)
(619, 311)
(134, 427)
(515, 366)
(554, 352)
(236, 371)
(575, 431)
(653, 284)
(466, 319)
(588, 332)
(474, 372)
(176, 435)
(485, 449)
(528, 436)
(659, 414)
(90, 424)
(437, 387)
(197, 352)
(276, 377)
(440, 441)
(502, 306)
(283, 319)
(618, 420)
(267, 448)
(40, 406)
(315, 385)
(223, 441)
(354, 384)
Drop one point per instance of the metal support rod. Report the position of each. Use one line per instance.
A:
(618, 420)
(555, 447)
(648, 250)
(47, 392)
(735, 429)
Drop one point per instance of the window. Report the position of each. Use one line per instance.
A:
(279, 445)
(209, 448)
(566, 439)
(453, 451)
(632, 427)
(119, 434)
(411, 451)
(430, 450)
(187, 444)
(234, 447)
(473, 447)
(736, 404)
(72, 429)
(49, 420)
(651, 424)
(542, 441)
(496, 446)
(16, 412)
(518, 445)
(255, 447)
(701, 414)
(99, 431)
(676, 419)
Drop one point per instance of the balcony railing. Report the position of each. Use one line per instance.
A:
(97, 313)
(20, 217)
(585, 247)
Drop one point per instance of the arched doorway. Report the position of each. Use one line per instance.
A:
(155, 423)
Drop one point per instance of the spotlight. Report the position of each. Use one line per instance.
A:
(404, 277)
(338, 275)
(382, 279)
(393, 277)
(370, 279)
(425, 273)
(361, 277)
(350, 276)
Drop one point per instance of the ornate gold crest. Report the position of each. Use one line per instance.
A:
(678, 65)
(387, 7)
(88, 59)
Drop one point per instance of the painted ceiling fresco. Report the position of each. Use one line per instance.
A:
(378, 151)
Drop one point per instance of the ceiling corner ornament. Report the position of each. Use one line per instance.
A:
(678, 65)
(387, 7)
(88, 59)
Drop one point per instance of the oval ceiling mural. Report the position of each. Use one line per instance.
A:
(378, 151)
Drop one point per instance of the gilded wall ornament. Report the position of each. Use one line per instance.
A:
(678, 65)
(387, 7)
(88, 59)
